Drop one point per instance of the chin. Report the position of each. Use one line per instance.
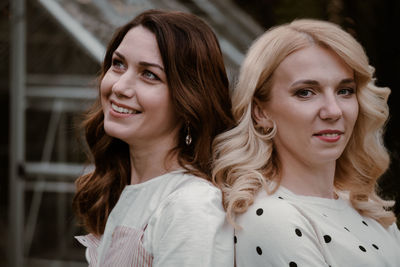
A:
(329, 157)
(114, 131)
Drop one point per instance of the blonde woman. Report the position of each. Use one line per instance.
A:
(300, 169)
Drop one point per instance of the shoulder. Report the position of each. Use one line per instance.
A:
(393, 228)
(195, 204)
(195, 191)
(394, 231)
(193, 199)
(273, 226)
(190, 226)
(271, 209)
(273, 219)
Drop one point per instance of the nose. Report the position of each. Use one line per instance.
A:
(124, 86)
(331, 109)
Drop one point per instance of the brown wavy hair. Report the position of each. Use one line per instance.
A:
(199, 90)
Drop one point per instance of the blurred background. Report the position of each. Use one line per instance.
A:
(50, 54)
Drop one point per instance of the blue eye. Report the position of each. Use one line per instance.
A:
(118, 64)
(149, 75)
(346, 91)
(304, 93)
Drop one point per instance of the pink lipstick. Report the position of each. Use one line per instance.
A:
(330, 136)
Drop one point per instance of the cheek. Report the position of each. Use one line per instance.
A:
(352, 112)
(107, 83)
(103, 93)
(168, 108)
(157, 97)
(105, 86)
(155, 102)
(294, 116)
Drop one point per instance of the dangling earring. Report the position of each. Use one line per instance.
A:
(188, 139)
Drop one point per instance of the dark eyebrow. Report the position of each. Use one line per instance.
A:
(119, 55)
(141, 63)
(148, 64)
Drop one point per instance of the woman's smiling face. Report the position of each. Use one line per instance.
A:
(314, 105)
(134, 92)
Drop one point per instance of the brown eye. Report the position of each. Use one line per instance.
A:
(304, 93)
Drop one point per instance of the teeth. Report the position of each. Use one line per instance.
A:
(122, 110)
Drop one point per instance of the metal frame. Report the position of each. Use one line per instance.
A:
(57, 99)
(92, 45)
(17, 131)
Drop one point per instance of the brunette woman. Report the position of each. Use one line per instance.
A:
(163, 97)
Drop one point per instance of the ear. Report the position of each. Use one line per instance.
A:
(260, 115)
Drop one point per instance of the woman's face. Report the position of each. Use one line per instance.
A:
(134, 93)
(314, 105)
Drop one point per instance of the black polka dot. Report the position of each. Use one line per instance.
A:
(364, 223)
(362, 248)
(259, 212)
(327, 238)
(347, 229)
(298, 232)
(235, 239)
(259, 250)
(375, 246)
(292, 264)
(280, 197)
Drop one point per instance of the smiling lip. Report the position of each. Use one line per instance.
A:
(121, 111)
(329, 136)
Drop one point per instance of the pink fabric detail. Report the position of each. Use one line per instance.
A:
(126, 249)
(91, 242)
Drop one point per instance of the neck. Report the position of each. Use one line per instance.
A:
(150, 161)
(309, 180)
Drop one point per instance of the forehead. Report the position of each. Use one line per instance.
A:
(314, 63)
(140, 43)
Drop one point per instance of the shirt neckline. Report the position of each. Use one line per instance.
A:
(339, 203)
(153, 180)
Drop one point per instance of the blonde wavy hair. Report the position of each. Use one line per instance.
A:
(244, 157)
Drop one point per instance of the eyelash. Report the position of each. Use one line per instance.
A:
(350, 91)
(147, 72)
(118, 64)
(300, 91)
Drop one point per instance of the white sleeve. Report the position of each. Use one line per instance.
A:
(191, 230)
(275, 234)
(87, 256)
